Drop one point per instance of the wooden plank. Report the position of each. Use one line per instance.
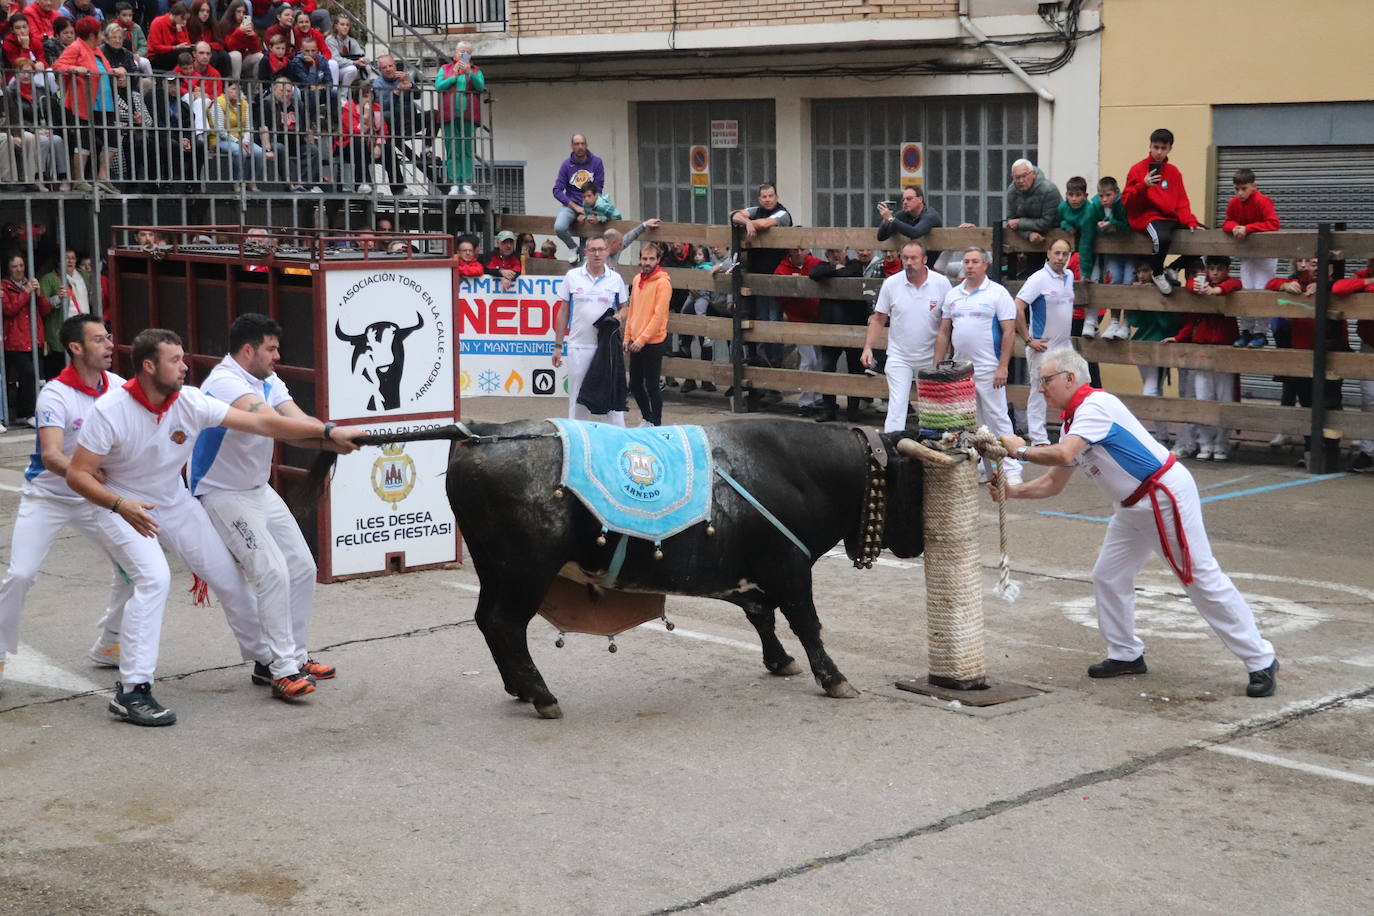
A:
(805, 333)
(701, 326)
(818, 238)
(1285, 243)
(1258, 303)
(695, 233)
(1225, 359)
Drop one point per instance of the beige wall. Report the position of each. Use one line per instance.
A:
(531, 18)
(1165, 63)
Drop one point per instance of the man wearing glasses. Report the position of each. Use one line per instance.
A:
(1157, 510)
(586, 293)
(47, 503)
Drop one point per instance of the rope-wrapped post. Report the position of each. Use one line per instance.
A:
(947, 404)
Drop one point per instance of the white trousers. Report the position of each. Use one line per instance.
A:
(992, 413)
(1214, 386)
(900, 374)
(1255, 273)
(579, 361)
(1035, 402)
(185, 528)
(36, 526)
(1152, 385)
(1131, 537)
(271, 552)
(809, 361)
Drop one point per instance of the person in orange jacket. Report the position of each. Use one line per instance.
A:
(646, 333)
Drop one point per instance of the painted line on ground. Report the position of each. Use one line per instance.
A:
(1083, 518)
(1210, 499)
(29, 666)
(891, 562)
(1309, 768)
(1227, 483)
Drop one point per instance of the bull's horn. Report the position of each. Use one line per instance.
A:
(913, 449)
(419, 323)
(338, 332)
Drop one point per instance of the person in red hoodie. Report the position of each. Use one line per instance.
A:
(1218, 330)
(1249, 212)
(468, 266)
(800, 262)
(41, 15)
(1157, 204)
(505, 262)
(168, 37)
(19, 287)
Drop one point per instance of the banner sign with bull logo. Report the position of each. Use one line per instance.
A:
(506, 338)
(390, 338)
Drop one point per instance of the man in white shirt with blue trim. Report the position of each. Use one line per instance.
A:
(1157, 511)
(128, 462)
(1044, 318)
(586, 292)
(979, 319)
(230, 472)
(910, 303)
(47, 503)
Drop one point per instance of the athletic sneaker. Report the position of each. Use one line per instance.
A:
(1183, 451)
(1279, 441)
(1163, 285)
(318, 670)
(138, 706)
(104, 654)
(1112, 667)
(293, 686)
(1263, 682)
(1258, 341)
(1089, 329)
(1204, 454)
(1220, 455)
(1243, 340)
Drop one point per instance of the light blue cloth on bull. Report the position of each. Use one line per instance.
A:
(648, 483)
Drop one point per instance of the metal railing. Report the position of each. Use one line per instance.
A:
(439, 14)
(169, 134)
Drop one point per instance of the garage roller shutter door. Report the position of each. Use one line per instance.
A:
(1310, 185)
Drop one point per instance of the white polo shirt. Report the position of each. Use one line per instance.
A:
(230, 459)
(144, 452)
(586, 298)
(913, 316)
(976, 315)
(1049, 305)
(1121, 453)
(61, 406)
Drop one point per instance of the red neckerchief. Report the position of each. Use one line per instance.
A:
(26, 92)
(71, 379)
(1078, 397)
(645, 278)
(132, 386)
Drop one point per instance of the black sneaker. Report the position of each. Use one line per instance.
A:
(708, 386)
(139, 707)
(262, 675)
(1112, 668)
(689, 385)
(1262, 682)
(1361, 463)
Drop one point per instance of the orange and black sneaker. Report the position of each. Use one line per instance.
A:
(292, 687)
(318, 670)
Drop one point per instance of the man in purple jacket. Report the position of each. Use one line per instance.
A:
(579, 168)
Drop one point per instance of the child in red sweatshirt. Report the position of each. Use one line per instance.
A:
(1248, 212)
(1157, 204)
(1199, 328)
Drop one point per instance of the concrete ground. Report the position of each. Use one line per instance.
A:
(684, 776)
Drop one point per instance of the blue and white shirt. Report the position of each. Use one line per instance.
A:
(587, 298)
(1121, 453)
(977, 331)
(1049, 305)
(65, 408)
(230, 459)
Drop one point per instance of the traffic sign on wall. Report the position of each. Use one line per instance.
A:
(911, 163)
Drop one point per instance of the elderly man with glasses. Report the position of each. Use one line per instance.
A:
(585, 295)
(1157, 511)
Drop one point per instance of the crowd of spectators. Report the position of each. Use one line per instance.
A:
(280, 97)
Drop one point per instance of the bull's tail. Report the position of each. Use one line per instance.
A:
(307, 494)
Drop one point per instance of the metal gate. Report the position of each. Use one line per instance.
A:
(1309, 185)
(970, 144)
(666, 132)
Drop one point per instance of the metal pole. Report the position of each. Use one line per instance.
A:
(996, 253)
(1316, 447)
(737, 277)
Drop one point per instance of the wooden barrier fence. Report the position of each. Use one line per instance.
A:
(1310, 364)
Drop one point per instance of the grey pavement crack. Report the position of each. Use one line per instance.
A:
(1030, 796)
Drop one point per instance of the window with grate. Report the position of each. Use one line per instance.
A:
(508, 185)
(666, 133)
(970, 144)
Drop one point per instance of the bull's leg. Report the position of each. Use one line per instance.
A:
(800, 611)
(775, 657)
(503, 616)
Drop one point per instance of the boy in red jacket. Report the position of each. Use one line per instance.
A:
(1217, 330)
(1248, 212)
(1157, 204)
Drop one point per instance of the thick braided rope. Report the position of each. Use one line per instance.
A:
(990, 447)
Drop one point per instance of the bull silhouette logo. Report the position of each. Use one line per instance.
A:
(379, 358)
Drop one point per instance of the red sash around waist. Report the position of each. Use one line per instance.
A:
(1183, 565)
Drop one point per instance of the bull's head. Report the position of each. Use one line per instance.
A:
(904, 519)
(379, 358)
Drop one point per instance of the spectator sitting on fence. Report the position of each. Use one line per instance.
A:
(1157, 205)
(847, 312)
(282, 131)
(32, 106)
(1076, 216)
(1249, 212)
(1109, 218)
(231, 133)
(346, 50)
(168, 37)
(1217, 330)
(239, 39)
(597, 208)
(800, 262)
(914, 220)
(581, 166)
(460, 113)
(468, 265)
(504, 263)
(1152, 327)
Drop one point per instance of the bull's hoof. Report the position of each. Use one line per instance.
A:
(841, 690)
(785, 669)
(549, 711)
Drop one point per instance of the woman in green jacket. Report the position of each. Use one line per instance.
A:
(460, 112)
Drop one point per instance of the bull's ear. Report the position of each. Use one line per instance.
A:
(904, 528)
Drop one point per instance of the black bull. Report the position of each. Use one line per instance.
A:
(812, 477)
